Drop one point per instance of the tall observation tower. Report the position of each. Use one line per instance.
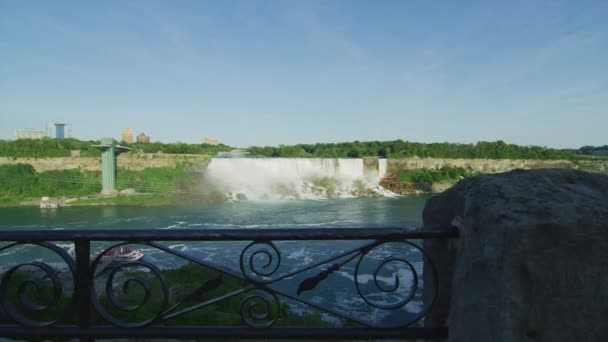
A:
(109, 151)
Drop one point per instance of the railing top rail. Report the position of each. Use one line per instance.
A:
(259, 234)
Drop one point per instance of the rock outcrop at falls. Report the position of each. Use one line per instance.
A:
(532, 258)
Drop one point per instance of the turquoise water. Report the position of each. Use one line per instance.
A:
(358, 212)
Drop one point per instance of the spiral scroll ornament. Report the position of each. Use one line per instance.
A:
(30, 301)
(260, 309)
(391, 283)
(259, 261)
(121, 288)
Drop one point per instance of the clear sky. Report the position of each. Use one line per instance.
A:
(283, 72)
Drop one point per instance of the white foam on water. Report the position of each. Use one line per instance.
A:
(302, 254)
(268, 225)
(180, 247)
(174, 226)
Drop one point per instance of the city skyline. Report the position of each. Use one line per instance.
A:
(270, 73)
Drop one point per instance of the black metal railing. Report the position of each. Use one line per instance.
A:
(347, 283)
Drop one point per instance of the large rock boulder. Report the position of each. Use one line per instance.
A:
(531, 263)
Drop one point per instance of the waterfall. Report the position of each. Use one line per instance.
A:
(296, 178)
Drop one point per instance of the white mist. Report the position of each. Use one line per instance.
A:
(296, 178)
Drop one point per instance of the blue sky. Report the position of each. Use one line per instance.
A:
(285, 72)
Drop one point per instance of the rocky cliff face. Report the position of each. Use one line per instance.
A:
(128, 161)
(139, 161)
(531, 260)
(61, 163)
(496, 165)
(476, 166)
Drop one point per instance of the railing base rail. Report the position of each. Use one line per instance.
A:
(181, 332)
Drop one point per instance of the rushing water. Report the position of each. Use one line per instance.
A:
(338, 292)
(296, 178)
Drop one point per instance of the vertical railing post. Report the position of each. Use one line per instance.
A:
(83, 285)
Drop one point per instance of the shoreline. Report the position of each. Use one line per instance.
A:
(148, 200)
(118, 200)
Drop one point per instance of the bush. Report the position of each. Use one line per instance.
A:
(23, 181)
(445, 173)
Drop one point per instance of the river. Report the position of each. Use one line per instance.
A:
(353, 212)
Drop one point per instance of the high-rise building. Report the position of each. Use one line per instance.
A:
(60, 130)
(127, 135)
(50, 129)
(211, 141)
(29, 133)
(142, 138)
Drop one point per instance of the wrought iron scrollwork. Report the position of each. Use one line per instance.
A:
(394, 289)
(259, 261)
(371, 280)
(129, 284)
(310, 283)
(379, 278)
(260, 309)
(40, 275)
(399, 294)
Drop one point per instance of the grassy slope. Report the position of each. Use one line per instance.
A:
(164, 185)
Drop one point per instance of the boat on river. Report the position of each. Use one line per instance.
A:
(118, 256)
(113, 257)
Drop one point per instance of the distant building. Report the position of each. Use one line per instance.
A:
(58, 130)
(29, 133)
(142, 138)
(50, 129)
(48, 203)
(127, 135)
(211, 141)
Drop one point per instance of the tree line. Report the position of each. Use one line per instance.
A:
(47, 147)
(593, 150)
(400, 149)
(178, 148)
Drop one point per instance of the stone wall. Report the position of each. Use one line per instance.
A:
(496, 165)
(61, 163)
(139, 161)
(129, 161)
(531, 260)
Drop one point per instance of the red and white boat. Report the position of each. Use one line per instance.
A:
(113, 257)
(119, 256)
